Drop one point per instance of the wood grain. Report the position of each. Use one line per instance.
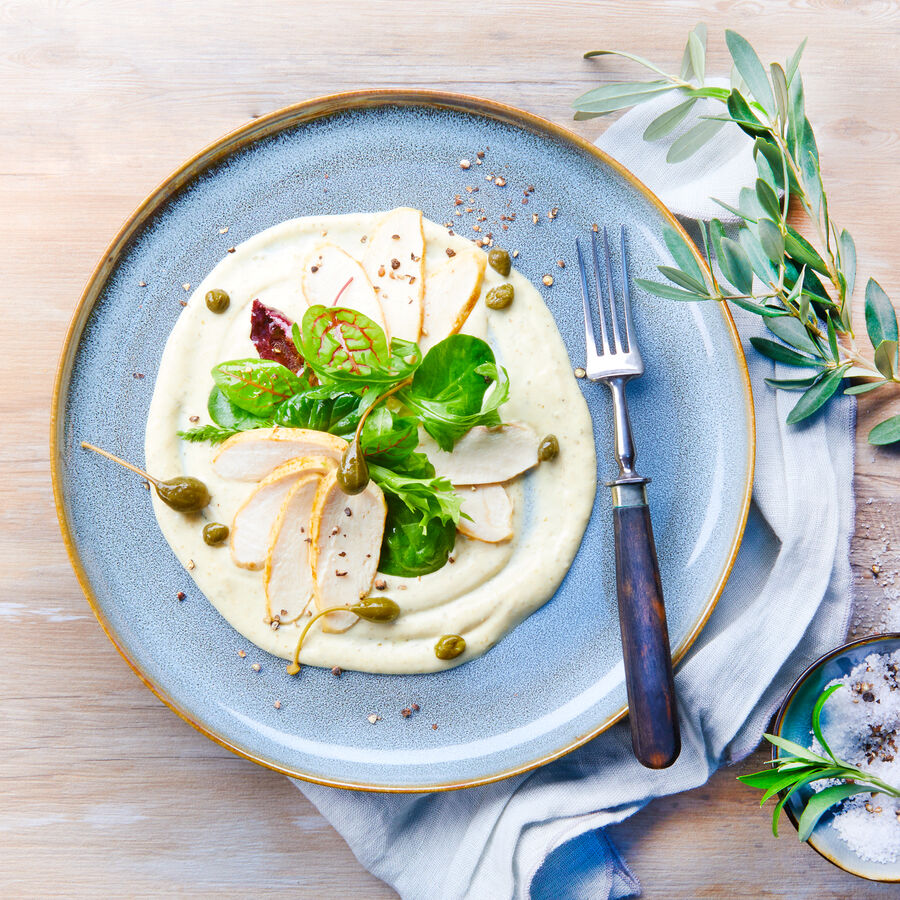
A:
(104, 791)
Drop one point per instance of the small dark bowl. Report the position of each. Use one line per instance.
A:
(794, 722)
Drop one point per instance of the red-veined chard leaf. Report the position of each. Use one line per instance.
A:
(257, 386)
(346, 347)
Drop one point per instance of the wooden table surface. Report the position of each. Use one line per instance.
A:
(104, 791)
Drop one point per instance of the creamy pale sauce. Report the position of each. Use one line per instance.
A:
(489, 588)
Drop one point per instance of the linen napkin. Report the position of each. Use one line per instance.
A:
(541, 835)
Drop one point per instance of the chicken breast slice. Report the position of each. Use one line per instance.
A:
(451, 292)
(252, 455)
(346, 545)
(395, 264)
(289, 581)
(487, 455)
(332, 277)
(490, 512)
(251, 528)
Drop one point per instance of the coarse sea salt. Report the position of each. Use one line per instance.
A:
(862, 726)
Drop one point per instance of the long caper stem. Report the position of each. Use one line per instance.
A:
(362, 421)
(121, 462)
(294, 666)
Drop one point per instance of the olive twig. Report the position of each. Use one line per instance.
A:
(372, 609)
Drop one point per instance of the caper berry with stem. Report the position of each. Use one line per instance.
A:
(217, 301)
(499, 261)
(372, 609)
(449, 646)
(214, 533)
(185, 493)
(548, 448)
(353, 470)
(500, 297)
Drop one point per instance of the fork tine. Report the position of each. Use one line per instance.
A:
(611, 295)
(606, 346)
(590, 344)
(626, 293)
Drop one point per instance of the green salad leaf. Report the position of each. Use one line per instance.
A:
(411, 547)
(257, 386)
(457, 386)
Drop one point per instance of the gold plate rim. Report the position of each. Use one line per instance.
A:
(255, 130)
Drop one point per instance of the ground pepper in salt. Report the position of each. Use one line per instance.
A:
(862, 725)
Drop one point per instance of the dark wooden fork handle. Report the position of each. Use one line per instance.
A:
(645, 640)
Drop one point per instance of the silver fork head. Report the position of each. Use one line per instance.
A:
(616, 358)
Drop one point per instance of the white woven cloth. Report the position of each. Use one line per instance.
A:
(540, 835)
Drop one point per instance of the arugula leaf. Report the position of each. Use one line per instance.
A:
(411, 547)
(257, 386)
(449, 391)
(321, 409)
(388, 439)
(347, 348)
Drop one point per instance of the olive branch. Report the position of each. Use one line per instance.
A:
(802, 768)
(801, 287)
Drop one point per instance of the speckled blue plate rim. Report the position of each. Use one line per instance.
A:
(804, 676)
(264, 127)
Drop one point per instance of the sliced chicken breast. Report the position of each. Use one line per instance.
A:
(346, 545)
(289, 581)
(395, 264)
(490, 512)
(251, 528)
(251, 455)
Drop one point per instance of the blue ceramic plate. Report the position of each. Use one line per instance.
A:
(557, 679)
(794, 722)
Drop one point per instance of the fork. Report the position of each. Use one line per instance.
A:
(642, 615)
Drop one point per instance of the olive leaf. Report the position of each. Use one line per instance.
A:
(881, 320)
(816, 396)
(668, 121)
(693, 139)
(748, 64)
(886, 432)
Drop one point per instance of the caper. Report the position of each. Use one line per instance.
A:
(548, 448)
(376, 609)
(449, 646)
(353, 471)
(217, 301)
(500, 297)
(214, 533)
(185, 493)
(500, 261)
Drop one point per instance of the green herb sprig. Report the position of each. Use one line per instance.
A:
(801, 287)
(802, 767)
(384, 392)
